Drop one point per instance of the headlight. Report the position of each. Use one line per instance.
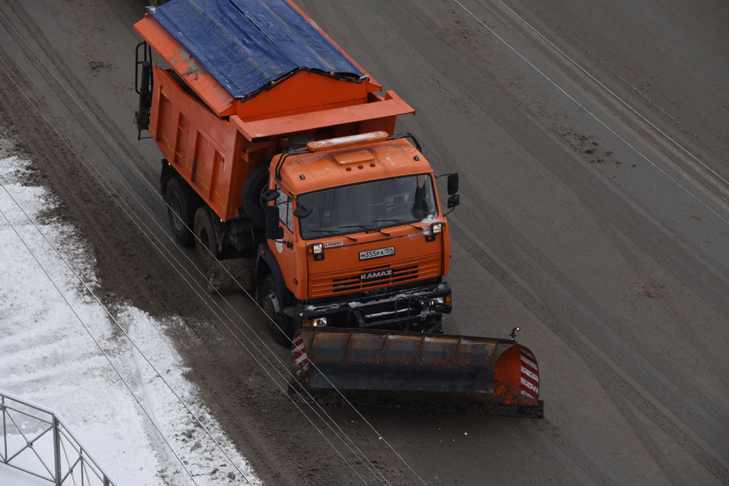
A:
(317, 249)
(432, 231)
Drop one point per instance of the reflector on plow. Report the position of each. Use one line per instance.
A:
(497, 372)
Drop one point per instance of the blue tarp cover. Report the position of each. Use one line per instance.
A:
(248, 44)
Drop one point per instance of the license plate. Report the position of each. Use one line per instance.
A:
(375, 275)
(378, 253)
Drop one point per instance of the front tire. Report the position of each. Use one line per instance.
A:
(282, 328)
(434, 325)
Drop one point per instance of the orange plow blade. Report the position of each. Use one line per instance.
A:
(498, 372)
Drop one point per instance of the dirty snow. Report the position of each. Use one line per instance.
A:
(46, 357)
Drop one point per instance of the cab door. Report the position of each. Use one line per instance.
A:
(284, 248)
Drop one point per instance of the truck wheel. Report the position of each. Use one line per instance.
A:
(251, 197)
(434, 324)
(206, 247)
(267, 299)
(179, 211)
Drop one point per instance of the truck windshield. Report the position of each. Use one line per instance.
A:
(367, 206)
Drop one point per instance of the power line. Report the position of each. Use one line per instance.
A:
(98, 345)
(187, 279)
(349, 442)
(126, 334)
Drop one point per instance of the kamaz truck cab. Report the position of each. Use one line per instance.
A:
(356, 236)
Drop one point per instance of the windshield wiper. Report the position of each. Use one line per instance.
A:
(356, 226)
(396, 220)
(363, 227)
(335, 231)
(386, 220)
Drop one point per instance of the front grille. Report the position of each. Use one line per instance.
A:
(426, 267)
(391, 276)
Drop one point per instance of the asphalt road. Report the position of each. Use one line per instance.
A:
(592, 140)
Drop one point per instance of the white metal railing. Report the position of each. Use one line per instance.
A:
(36, 442)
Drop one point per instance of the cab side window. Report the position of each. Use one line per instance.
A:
(285, 210)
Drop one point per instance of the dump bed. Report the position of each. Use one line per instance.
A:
(259, 60)
(247, 46)
(244, 77)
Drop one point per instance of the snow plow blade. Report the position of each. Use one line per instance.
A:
(498, 372)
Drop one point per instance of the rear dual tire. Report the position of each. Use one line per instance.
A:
(194, 226)
(206, 239)
(179, 211)
(206, 248)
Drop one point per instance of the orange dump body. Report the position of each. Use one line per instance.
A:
(214, 140)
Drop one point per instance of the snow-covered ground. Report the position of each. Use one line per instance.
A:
(47, 357)
(11, 477)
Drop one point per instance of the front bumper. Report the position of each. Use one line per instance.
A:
(411, 308)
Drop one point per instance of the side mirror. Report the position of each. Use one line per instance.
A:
(143, 82)
(453, 184)
(269, 195)
(273, 229)
(453, 201)
(301, 212)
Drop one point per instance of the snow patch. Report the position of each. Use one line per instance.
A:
(46, 357)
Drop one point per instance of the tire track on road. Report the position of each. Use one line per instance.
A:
(721, 212)
(721, 183)
(608, 373)
(611, 376)
(565, 447)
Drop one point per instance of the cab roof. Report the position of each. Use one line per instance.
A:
(313, 171)
(250, 45)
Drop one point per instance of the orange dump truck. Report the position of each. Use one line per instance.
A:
(278, 146)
